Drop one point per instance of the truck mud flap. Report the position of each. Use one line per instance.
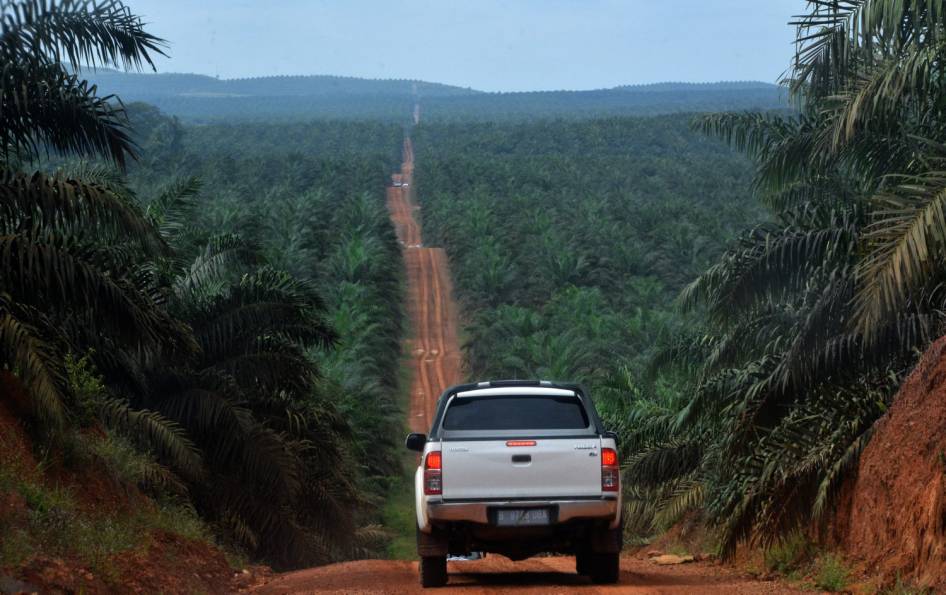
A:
(607, 541)
(431, 544)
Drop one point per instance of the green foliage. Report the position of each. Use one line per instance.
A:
(788, 555)
(86, 386)
(45, 106)
(163, 317)
(568, 240)
(399, 514)
(815, 316)
(56, 524)
(308, 199)
(633, 100)
(129, 465)
(831, 574)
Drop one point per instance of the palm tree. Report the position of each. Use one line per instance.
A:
(44, 106)
(813, 318)
(275, 465)
(253, 398)
(65, 247)
(52, 272)
(876, 66)
(203, 348)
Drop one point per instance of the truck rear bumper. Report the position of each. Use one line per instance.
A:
(564, 510)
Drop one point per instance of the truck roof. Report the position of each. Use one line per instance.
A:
(511, 390)
(514, 387)
(513, 383)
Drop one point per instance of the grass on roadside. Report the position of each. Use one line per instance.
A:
(398, 516)
(798, 559)
(788, 556)
(52, 522)
(831, 573)
(902, 587)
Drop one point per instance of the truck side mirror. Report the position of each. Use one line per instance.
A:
(416, 441)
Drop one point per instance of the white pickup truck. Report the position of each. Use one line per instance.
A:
(517, 468)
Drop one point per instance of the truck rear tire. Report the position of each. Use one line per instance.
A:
(433, 571)
(605, 568)
(583, 563)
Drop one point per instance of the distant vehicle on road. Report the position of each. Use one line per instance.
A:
(517, 468)
(398, 184)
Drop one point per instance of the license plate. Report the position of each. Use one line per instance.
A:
(522, 517)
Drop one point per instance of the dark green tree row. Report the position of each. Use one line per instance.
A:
(644, 100)
(243, 327)
(569, 240)
(631, 101)
(313, 204)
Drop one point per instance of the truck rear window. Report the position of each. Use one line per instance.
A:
(516, 413)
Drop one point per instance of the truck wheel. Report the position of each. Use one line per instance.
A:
(433, 571)
(605, 568)
(583, 563)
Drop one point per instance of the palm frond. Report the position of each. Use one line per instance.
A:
(82, 32)
(687, 495)
(25, 198)
(906, 238)
(44, 275)
(34, 359)
(161, 435)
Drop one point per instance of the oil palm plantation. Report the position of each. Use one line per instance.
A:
(815, 317)
(202, 347)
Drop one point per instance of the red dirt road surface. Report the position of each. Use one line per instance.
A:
(436, 362)
(496, 574)
(433, 343)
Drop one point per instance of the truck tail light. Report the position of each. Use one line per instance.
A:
(433, 477)
(610, 470)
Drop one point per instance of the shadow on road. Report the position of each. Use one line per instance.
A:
(459, 580)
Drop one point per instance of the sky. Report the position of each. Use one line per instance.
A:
(491, 45)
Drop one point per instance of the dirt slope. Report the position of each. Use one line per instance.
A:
(894, 517)
(162, 562)
(433, 341)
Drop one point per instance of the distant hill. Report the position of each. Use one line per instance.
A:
(683, 86)
(200, 98)
(140, 86)
(637, 100)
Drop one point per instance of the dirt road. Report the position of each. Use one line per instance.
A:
(496, 574)
(433, 341)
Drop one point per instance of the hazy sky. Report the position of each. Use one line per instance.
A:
(486, 44)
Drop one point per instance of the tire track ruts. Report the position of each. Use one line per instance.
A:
(433, 344)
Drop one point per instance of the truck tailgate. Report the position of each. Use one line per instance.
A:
(551, 468)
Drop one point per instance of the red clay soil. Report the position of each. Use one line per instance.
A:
(169, 564)
(496, 574)
(165, 563)
(433, 343)
(893, 518)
